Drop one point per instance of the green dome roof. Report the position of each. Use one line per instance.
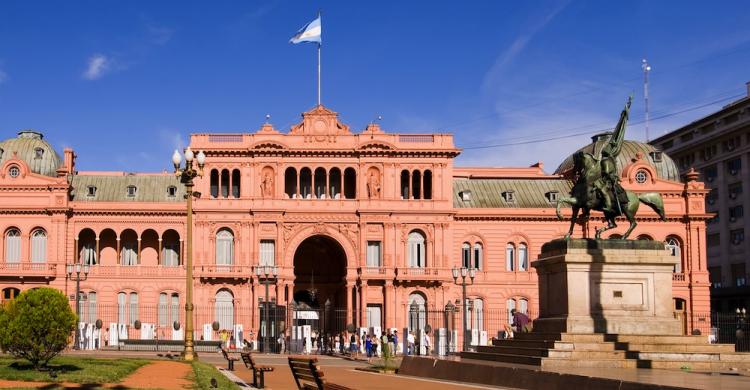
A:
(30, 147)
(663, 164)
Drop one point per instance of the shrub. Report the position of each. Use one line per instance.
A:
(36, 325)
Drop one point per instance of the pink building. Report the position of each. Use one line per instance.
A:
(369, 221)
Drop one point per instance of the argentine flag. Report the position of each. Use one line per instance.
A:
(310, 33)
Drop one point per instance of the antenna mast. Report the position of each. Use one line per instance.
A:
(646, 69)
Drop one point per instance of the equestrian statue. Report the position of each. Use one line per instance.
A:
(597, 185)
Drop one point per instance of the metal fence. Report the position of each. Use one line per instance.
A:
(722, 328)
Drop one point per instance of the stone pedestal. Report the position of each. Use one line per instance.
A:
(606, 286)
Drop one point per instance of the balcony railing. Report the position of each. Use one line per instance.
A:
(136, 271)
(224, 271)
(372, 270)
(28, 269)
(678, 277)
(422, 273)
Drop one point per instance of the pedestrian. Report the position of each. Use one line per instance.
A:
(410, 341)
(341, 343)
(521, 321)
(427, 343)
(395, 342)
(375, 344)
(352, 344)
(368, 348)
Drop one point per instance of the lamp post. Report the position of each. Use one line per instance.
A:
(186, 176)
(463, 271)
(266, 276)
(74, 273)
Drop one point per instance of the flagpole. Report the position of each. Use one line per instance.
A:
(319, 73)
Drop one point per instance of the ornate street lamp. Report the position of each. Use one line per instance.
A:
(267, 275)
(74, 274)
(186, 176)
(472, 272)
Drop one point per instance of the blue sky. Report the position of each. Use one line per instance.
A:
(124, 83)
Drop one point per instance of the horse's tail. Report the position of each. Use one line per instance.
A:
(654, 200)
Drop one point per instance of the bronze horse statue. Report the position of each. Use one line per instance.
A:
(584, 196)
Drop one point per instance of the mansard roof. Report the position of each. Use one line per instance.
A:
(114, 188)
(492, 193)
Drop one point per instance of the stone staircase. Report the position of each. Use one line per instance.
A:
(554, 350)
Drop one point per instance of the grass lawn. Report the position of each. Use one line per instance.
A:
(71, 369)
(202, 374)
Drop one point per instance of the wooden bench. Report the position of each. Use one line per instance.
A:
(309, 376)
(258, 370)
(230, 360)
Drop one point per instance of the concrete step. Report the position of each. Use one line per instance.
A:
(651, 339)
(713, 366)
(588, 363)
(568, 337)
(689, 348)
(505, 358)
(557, 345)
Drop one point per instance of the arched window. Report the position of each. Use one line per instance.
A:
(163, 309)
(405, 184)
(10, 293)
(305, 183)
(478, 315)
(523, 257)
(320, 183)
(673, 246)
(416, 250)
(350, 183)
(92, 315)
(236, 183)
(224, 247)
(290, 183)
(129, 253)
(214, 183)
(523, 306)
(13, 246)
(133, 308)
(466, 255)
(170, 252)
(224, 183)
(510, 257)
(121, 306)
(39, 246)
(334, 183)
(416, 184)
(427, 180)
(416, 312)
(168, 308)
(478, 255)
(224, 309)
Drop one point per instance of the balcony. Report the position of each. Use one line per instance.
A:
(28, 270)
(375, 272)
(214, 271)
(135, 271)
(425, 273)
(678, 277)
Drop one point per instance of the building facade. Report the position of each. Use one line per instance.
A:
(367, 224)
(718, 146)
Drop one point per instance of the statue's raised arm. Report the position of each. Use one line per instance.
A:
(612, 148)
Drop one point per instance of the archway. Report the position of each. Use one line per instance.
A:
(320, 273)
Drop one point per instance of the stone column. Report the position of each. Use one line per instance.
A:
(363, 303)
(349, 300)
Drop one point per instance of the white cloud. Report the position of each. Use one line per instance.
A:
(519, 44)
(98, 65)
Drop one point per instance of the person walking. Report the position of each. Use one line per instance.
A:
(410, 341)
(353, 345)
(375, 344)
(368, 348)
(427, 343)
(395, 342)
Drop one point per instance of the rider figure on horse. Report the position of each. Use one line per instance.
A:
(614, 198)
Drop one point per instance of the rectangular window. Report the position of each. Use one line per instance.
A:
(735, 213)
(714, 276)
(267, 252)
(713, 240)
(374, 258)
(735, 190)
(374, 317)
(734, 166)
(477, 256)
(510, 261)
(738, 274)
(466, 256)
(710, 173)
(737, 236)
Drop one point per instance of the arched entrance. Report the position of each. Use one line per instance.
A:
(320, 273)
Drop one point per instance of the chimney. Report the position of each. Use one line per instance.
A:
(70, 161)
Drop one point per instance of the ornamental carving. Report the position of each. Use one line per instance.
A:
(351, 232)
(267, 182)
(373, 183)
(320, 125)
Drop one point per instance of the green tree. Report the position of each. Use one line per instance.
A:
(36, 325)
